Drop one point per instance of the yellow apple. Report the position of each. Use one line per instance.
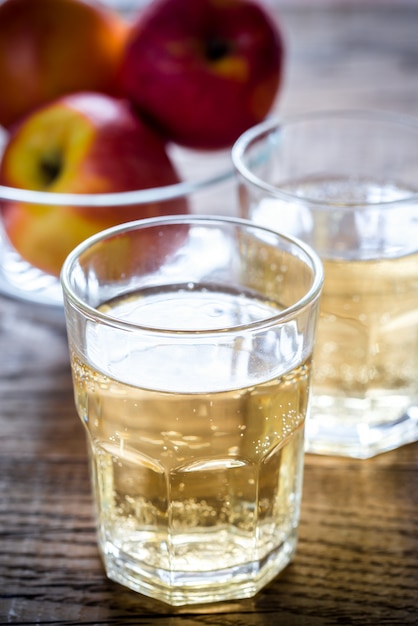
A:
(80, 143)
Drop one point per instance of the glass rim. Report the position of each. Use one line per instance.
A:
(311, 295)
(272, 124)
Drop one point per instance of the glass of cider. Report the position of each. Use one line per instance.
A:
(346, 183)
(191, 340)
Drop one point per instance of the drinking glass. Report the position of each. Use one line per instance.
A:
(190, 340)
(346, 183)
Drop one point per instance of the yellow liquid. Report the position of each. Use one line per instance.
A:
(365, 375)
(197, 494)
(367, 340)
(365, 368)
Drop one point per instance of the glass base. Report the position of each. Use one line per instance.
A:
(359, 428)
(178, 588)
(22, 281)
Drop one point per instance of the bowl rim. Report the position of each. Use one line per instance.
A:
(120, 198)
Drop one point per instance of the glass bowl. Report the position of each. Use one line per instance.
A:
(207, 183)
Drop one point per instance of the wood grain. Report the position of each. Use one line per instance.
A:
(357, 559)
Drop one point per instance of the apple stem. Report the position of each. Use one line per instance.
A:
(50, 167)
(217, 49)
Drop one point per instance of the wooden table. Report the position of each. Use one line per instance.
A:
(357, 560)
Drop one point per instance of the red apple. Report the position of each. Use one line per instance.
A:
(81, 143)
(52, 47)
(203, 71)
